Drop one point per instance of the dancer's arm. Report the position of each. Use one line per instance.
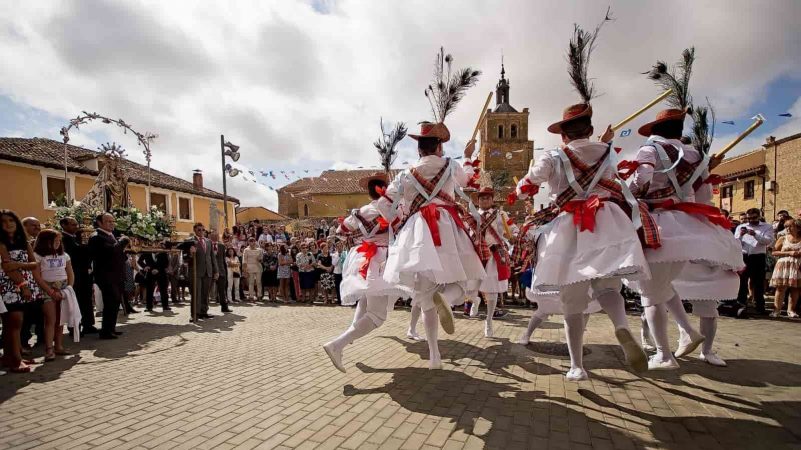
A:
(646, 157)
(537, 174)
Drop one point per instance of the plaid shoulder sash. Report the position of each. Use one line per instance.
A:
(684, 173)
(429, 186)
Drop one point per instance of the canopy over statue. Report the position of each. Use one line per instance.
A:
(110, 190)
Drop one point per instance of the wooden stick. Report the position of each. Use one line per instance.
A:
(759, 119)
(653, 102)
(481, 117)
(195, 283)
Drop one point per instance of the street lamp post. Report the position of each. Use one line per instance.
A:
(231, 150)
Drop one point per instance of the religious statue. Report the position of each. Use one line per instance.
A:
(110, 190)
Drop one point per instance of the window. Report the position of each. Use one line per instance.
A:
(56, 190)
(305, 210)
(727, 192)
(159, 201)
(500, 131)
(513, 133)
(748, 192)
(184, 208)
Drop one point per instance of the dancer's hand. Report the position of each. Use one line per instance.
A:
(608, 135)
(469, 149)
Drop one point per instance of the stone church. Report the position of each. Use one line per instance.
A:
(505, 150)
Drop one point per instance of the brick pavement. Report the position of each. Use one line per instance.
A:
(258, 378)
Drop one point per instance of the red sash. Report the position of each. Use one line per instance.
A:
(584, 212)
(430, 214)
(712, 213)
(369, 249)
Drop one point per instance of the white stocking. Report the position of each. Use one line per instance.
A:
(431, 324)
(474, 307)
(414, 318)
(535, 322)
(361, 328)
(709, 327)
(574, 330)
(492, 301)
(658, 321)
(614, 306)
(676, 309)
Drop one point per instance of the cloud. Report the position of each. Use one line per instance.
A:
(302, 84)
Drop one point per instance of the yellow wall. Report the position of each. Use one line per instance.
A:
(25, 196)
(738, 203)
(257, 213)
(331, 205)
(23, 191)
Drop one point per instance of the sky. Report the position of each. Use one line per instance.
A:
(301, 85)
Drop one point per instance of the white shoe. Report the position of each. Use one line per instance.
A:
(713, 359)
(488, 332)
(524, 339)
(414, 336)
(635, 356)
(659, 364)
(576, 374)
(648, 347)
(335, 354)
(444, 312)
(685, 348)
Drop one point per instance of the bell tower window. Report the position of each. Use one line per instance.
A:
(500, 131)
(513, 133)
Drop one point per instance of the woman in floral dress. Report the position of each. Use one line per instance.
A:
(787, 272)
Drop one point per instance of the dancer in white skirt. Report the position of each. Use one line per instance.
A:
(432, 253)
(592, 243)
(665, 174)
(489, 237)
(548, 303)
(362, 279)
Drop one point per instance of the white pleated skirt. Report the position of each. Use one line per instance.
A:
(567, 255)
(413, 252)
(355, 287)
(693, 238)
(702, 282)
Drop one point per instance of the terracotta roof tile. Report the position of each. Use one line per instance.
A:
(332, 182)
(50, 153)
(740, 164)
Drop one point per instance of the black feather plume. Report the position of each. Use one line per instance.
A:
(387, 142)
(703, 127)
(676, 78)
(578, 57)
(448, 86)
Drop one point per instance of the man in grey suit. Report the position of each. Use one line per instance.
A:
(222, 281)
(203, 250)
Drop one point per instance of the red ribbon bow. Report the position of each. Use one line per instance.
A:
(584, 212)
(475, 163)
(430, 214)
(369, 249)
(627, 168)
(712, 213)
(511, 199)
(382, 223)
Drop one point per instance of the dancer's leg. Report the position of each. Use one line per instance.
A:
(375, 314)
(575, 298)
(476, 304)
(645, 334)
(656, 292)
(708, 312)
(431, 325)
(411, 333)
(574, 329)
(658, 322)
(492, 301)
(607, 293)
(536, 320)
(693, 337)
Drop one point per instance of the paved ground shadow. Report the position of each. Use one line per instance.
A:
(10, 384)
(490, 410)
(729, 433)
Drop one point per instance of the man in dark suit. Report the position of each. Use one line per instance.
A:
(108, 263)
(222, 281)
(155, 269)
(82, 267)
(202, 250)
